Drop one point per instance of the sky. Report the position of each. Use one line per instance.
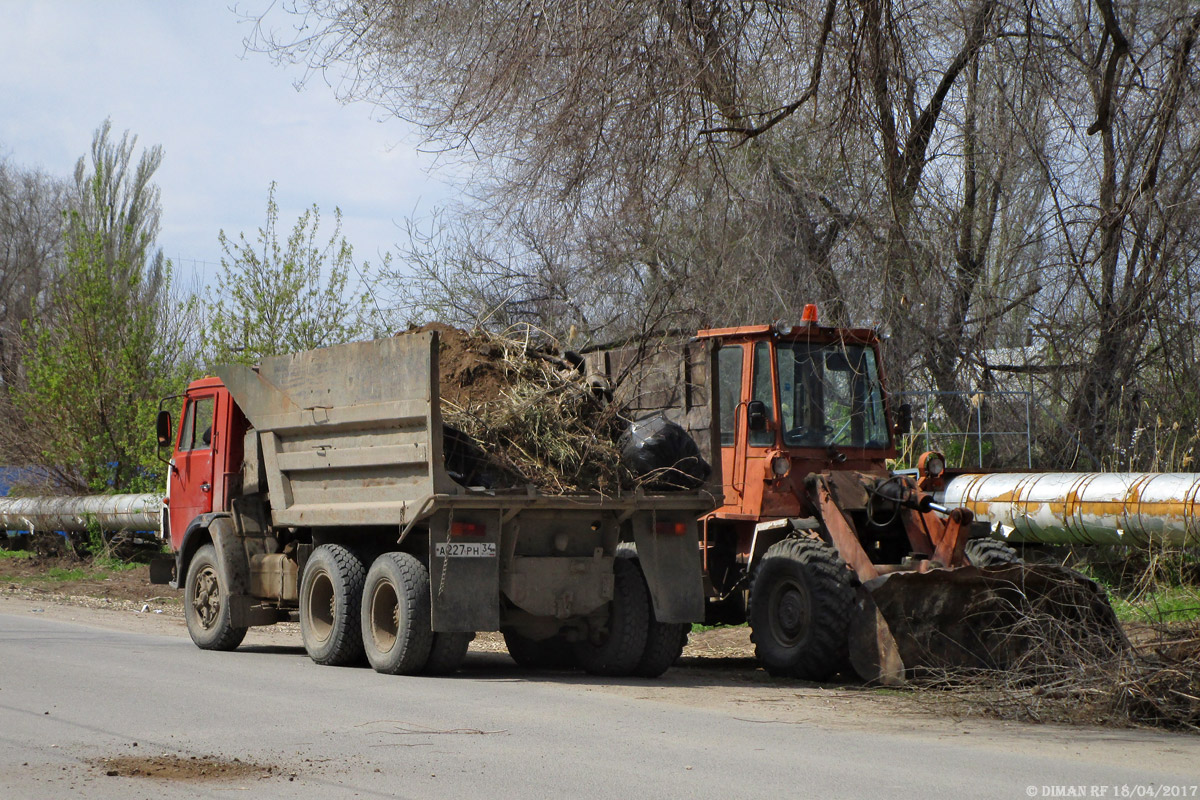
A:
(230, 122)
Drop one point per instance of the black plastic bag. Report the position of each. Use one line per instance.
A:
(465, 460)
(663, 454)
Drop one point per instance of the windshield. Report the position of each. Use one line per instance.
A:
(829, 394)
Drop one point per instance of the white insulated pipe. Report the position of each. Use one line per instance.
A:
(112, 512)
(1084, 508)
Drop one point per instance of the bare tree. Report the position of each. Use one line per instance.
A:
(921, 166)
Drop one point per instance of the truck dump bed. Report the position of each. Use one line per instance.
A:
(352, 435)
(346, 435)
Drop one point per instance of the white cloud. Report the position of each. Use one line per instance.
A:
(175, 74)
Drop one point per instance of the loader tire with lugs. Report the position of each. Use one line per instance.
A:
(801, 601)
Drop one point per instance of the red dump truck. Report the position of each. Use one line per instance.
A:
(313, 488)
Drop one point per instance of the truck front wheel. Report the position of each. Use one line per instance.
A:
(800, 605)
(330, 594)
(396, 628)
(206, 603)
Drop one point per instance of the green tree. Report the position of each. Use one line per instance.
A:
(274, 298)
(100, 352)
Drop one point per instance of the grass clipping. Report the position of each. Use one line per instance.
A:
(535, 416)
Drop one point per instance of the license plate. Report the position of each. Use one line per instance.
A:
(464, 549)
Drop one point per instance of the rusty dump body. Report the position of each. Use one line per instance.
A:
(328, 465)
(823, 550)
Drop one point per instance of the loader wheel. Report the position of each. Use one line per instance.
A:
(552, 653)
(396, 628)
(206, 604)
(330, 595)
(617, 649)
(664, 640)
(801, 601)
(991, 553)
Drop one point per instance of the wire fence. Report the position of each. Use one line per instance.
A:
(998, 432)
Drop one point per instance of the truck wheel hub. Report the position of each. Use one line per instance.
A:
(207, 601)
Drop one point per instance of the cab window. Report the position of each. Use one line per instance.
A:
(197, 425)
(730, 367)
(764, 392)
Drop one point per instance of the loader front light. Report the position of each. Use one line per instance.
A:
(781, 465)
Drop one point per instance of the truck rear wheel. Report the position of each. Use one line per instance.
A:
(664, 640)
(447, 652)
(395, 617)
(990, 553)
(206, 603)
(330, 594)
(552, 653)
(800, 606)
(617, 649)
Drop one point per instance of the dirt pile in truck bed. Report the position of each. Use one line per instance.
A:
(530, 417)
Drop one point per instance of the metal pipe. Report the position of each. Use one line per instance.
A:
(112, 512)
(1089, 508)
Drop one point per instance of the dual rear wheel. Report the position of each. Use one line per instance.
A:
(632, 642)
(348, 612)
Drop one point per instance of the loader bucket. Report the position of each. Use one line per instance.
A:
(1015, 616)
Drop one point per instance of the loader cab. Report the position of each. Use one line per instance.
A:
(796, 400)
(206, 454)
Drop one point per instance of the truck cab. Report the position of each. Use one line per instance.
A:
(206, 456)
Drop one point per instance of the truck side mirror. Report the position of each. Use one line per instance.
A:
(163, 425)
(903, 419)
(756, 415)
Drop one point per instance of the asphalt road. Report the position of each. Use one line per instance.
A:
(73, 695)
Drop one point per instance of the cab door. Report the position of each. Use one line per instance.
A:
(192, 475)
(746, 384)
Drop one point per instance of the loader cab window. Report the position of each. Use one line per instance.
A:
(729, 364)
(197, 425)
(764, 391)
(830, 395)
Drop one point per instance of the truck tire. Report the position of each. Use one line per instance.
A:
(664, 640)
(616, 650)
(801, 601)
(990, 553)
(396, 630)
(206, 603)
(552, 653)
(447, 652)
(330, 595)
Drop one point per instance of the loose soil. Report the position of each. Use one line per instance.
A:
(196, 769)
